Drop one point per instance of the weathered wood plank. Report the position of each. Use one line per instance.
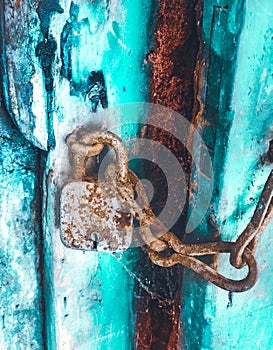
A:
(24, 90)
(21, 295)
(214, 32)
(90, 296)
(242, 99)
(243, 180)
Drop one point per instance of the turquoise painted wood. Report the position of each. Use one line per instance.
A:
(21, 294)
(238, 103)
(90, 296)
(63, 47)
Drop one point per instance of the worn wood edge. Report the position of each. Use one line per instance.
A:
(34, 139)
(21, 235)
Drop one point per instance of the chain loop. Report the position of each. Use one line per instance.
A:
(208, 272)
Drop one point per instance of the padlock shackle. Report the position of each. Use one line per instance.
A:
(114, 141)
(80, 151)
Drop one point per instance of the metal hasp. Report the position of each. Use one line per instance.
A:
(98, 215)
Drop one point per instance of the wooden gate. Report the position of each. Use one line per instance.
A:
(64, 64)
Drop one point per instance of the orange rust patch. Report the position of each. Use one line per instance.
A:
(174, 57)
(17, 3)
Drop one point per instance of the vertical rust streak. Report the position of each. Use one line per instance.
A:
(159, 320)
(199, 71)
(173, 59)
(175, 63)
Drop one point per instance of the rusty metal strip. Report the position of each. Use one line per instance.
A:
(174, 61)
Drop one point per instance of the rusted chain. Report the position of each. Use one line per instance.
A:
(94, 139)
(208, 272)
(185, 254)
(241, 251)
(249, 237)
(80, 151)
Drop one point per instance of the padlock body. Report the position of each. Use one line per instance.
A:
(92, 218)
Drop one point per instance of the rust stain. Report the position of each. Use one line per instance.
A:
(174, 57)
(175, 78)
(17, 3)
(158, 324)
(89, 221)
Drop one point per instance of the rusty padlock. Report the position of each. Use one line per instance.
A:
(93, 215)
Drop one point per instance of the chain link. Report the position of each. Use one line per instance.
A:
(241, 251)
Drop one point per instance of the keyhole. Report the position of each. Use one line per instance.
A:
(95, 238)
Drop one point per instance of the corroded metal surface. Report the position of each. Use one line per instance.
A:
(92, 218)
(174, 61)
